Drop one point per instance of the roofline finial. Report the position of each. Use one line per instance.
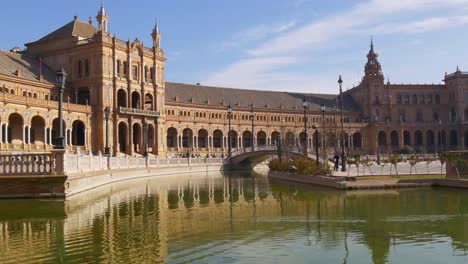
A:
(372, 42)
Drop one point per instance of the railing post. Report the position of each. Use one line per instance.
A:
(60, 159)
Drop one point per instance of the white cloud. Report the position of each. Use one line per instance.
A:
(424, 25)
(266, 66)
(256, 33)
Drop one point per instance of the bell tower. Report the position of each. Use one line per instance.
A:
(156, 35)
(102, 19)
(373, 82)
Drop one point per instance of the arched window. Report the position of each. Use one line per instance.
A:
(119, 64)
(435, 116)
(125, 69)
(86, 68)
(135, 72)
(453, 115)
(80, 70)
(437, 99)
(151, 74)
(146, 73)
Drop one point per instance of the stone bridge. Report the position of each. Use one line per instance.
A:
(249, 157)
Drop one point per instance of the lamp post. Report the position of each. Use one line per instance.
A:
(107, 116)
(252, 116)
(376, 119)
(343, 153)
(145, 139)
(229, 111)
(279, 147)
(314, 127)
(440, 137)
(322, 108)
(305, 105)
(61, 77)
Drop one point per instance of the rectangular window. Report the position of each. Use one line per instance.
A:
(402, 115)
(135, 73)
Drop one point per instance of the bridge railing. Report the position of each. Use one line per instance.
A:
(291, 149)
(26, 164)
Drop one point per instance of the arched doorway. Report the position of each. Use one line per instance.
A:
(38, 131)
(171, 138)
(122, 98)
(382, 140)
(187, 138)
(275, 137)
(55, 130)
(418, 138)
(78, 133)
(247, 139)
(151, 139)
(453, 139)
(357, 140)
(148, 102)
(137, 136)
(430, 141)
(136, 100)
(122, 137)
(261, 138)
(406, 138)
(15, 129)
(331, 140)
(233, 135)
(202, 138)
(394, 141)
(289, 140)
(217, 138)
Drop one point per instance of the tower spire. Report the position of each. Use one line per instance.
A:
(373, 67)
(102, 19)
(156, 34)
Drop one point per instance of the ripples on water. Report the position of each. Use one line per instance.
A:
(236, 219)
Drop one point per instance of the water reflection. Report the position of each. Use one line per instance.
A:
(212, 218)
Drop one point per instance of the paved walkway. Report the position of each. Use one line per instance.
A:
(384, 169)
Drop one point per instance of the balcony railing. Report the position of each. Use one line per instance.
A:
(135, 111)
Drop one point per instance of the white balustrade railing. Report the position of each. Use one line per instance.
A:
(81, 163)
(27, 164)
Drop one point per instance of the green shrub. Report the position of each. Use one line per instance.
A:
(299, 166)
(407, 150)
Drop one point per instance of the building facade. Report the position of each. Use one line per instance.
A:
(151, 116)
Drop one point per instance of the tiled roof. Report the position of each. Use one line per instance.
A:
(215, 96)
(74, 28)
(28, 67)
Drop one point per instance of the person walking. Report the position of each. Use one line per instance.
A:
(336, 160)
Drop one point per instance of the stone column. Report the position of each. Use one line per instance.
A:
(50, 136)
(45, 135)
(24, 134)
(66, 138)
(29, 134)
(6, 133)
(86, 137)
(1, 133)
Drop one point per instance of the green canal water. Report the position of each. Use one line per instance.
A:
(238, 218)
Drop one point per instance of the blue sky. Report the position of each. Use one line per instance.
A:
(285, 45)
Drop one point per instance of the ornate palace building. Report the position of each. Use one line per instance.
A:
(151, 115)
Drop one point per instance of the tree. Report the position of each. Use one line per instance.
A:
(366, 162)
(413, 160)
(394, 159)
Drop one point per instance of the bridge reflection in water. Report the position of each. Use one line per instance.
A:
(212, 219)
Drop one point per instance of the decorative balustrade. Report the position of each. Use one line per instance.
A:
(27, 164)
(81, 163)
(135, 111)
(23, 100)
